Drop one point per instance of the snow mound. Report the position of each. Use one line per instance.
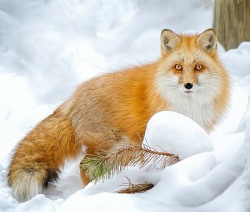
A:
(177, 134)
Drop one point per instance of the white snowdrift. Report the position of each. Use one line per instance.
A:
(177, 134)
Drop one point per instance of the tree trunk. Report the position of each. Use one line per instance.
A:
(232, 22)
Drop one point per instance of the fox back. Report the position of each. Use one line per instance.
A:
(112, 110)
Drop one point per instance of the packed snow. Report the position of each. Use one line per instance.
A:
(48, 47)
(177, 134)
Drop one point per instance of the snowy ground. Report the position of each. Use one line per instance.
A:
(48, 47)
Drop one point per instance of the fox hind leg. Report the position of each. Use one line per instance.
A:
(102, 144)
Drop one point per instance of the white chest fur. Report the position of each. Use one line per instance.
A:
(203, 113)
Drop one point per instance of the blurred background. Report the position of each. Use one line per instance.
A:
(232, 22)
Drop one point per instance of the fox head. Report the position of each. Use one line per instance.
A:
(190, 66)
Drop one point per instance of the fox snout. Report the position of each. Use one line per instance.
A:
(187, 80)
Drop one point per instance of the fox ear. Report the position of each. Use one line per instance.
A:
(169, 41)
(208, 41)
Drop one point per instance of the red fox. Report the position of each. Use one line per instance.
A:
(114, 109)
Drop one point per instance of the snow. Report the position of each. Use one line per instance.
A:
(177, 134)
(48, 47)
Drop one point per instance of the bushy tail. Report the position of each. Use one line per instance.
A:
(39, 156)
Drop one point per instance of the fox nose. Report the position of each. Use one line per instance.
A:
(188, 86)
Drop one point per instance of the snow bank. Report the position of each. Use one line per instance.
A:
(48, 47)
(177, 134)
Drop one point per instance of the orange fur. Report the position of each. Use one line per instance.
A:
(113, 110)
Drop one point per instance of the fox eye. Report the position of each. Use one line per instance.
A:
(198, 67)
(178, 67)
